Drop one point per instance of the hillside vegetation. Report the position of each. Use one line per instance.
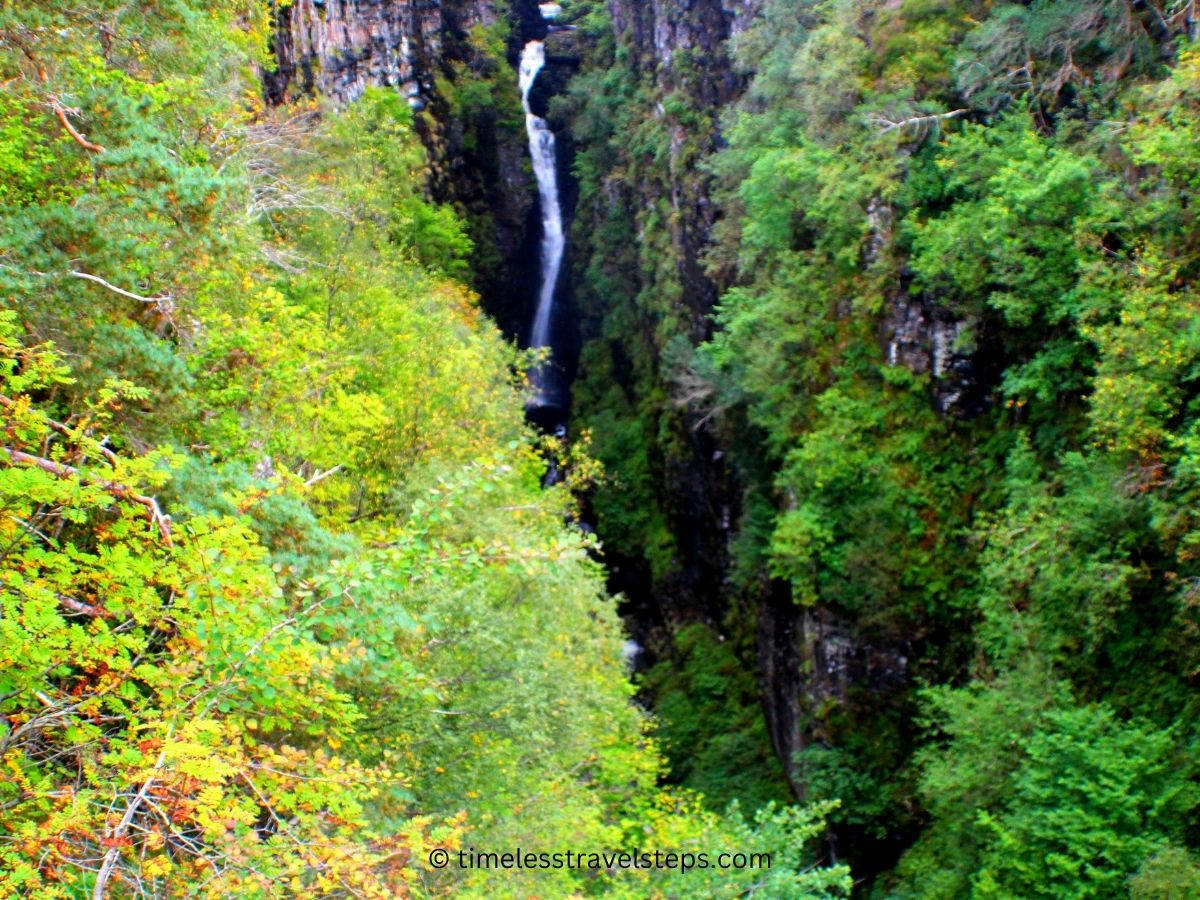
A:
(283, 603)
(953, 360)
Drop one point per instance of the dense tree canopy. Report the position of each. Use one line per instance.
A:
(283, 602)
(887, 400)
(954, 360)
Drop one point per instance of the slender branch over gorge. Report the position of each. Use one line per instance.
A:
(160, 520)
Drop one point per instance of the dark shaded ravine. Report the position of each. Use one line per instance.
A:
(482, 162)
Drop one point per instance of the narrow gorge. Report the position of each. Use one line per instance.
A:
(797, 414)
(600, 448)
(672, 564)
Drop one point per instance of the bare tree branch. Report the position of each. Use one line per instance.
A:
(161, 299)
(110, 858)
(64, 430)
(55, 105)
(84, 609)
(120, 491)
(61, 112)
(321, 476)
(921, 123)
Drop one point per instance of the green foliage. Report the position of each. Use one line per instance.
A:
(872, 529)
(955, 364)
(1073, 43)
(283, 602)
(1062, 556)
(782, 832)
(153, 675)
(710, 725)
(1048, 798)
(1007, 248)
(1091, 801)
(1169, 874)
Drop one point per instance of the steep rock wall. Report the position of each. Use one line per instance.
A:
(672, 50)
(340, 47)
(684, 47)
(427, 50)
(653, 203)
(659, 201)
(659, 30)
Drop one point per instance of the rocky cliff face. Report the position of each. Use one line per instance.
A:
(807, 657)
(810, 659)
(426, 50)
(340, 47)
(921, 335)
(684, 46)
(660, 30)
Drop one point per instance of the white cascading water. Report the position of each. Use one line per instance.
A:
(541, 149)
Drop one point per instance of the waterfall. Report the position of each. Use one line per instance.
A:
(546, 381)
